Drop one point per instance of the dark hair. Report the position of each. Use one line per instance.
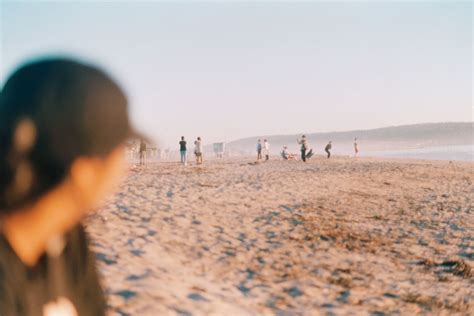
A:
(52, 112)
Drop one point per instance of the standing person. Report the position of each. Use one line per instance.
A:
(57, 163)
(182, 151)
(356, 147)
(328, 148)
(259, 149)
(142, 152)
(304, 147)
(198, 150)
(266, 149)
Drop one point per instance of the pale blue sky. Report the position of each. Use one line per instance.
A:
(230, 70)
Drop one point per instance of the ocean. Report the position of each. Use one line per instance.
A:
(460, 153)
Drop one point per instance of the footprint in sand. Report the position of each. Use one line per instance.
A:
(197, 297)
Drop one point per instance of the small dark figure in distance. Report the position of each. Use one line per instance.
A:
(328, 149)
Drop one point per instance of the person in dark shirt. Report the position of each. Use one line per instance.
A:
(57, 161)
(182, 151)
(328, 148)
(259, 150)
(304, 147)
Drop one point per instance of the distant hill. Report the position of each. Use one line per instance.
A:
(386, 138)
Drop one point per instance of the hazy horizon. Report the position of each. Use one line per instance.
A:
(225, 71)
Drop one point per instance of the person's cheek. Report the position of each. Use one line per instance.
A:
(115, 174)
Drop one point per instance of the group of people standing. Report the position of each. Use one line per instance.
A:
(265, 147)
(305, 154)
(262, 149)
(197, 151)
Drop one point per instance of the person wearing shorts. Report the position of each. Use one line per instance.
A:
(198, 150)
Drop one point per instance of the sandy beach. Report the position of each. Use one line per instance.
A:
(342, 236)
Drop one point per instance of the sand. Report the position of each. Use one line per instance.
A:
(340, 236)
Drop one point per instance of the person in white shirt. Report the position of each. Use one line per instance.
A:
(198, 150)
(266, 149)
(356, 147)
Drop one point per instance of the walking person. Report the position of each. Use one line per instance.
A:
(356, 148)
(198, 150)
(328, 148)
(57, 163)
(266, 149)
(259, 149)
(182, 151)
(304, 147)
(142, 152)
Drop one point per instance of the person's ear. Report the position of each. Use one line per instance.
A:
(84, 176)
(94, 177)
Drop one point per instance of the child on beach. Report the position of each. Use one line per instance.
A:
(198, 150)
(182, 151)
(57, 161)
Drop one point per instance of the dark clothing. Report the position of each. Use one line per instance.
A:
(24, 290)
(327, 150)
(303, 154)
(142, 147)
(182, 145)
(304, 145)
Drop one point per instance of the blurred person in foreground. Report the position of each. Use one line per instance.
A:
(62, 129)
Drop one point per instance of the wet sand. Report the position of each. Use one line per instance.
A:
(341, 236)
